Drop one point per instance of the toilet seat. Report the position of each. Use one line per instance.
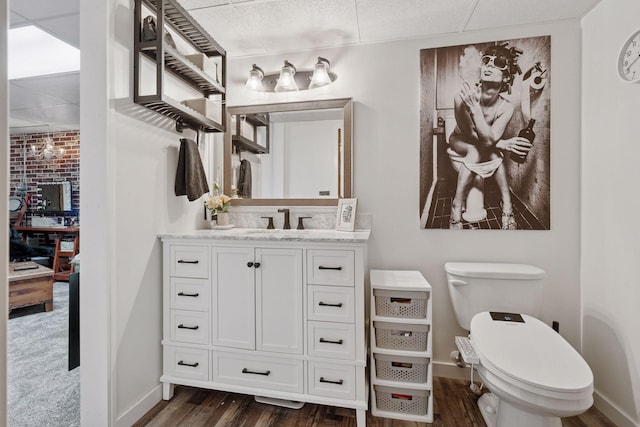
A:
(531, 356)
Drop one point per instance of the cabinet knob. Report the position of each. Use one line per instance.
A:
(250, 264)
(256, 265)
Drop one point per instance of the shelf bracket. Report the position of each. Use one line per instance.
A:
(180, 126)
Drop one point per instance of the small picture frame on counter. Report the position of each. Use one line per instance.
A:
(346, 218)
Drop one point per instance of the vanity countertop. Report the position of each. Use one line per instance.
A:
(311, 235)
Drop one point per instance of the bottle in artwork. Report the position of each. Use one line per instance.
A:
(528, 134)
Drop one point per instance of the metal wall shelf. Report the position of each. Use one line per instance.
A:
(167, 58)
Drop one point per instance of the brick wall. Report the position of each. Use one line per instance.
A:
(66, 168)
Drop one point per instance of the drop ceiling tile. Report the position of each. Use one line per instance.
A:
(66, 28)
(63, 114)
(229, 29)
(500, 13)
(294, 25)
(26, 97)
(17, 20)
(38, 9)
(63, 86)
(382, 20)
(198, 4)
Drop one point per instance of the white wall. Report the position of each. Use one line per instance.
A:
(386, 169)
(4, 207)
(610, 201)
(129, 156)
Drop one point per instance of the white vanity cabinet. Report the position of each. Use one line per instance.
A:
(267, 313)
(257, 298)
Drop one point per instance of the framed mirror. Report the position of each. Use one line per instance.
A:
(289, 154)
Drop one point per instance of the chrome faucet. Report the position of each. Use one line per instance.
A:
(287, 225)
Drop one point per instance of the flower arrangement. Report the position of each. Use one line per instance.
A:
(218, 203)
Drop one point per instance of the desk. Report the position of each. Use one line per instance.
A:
(61, 268)
(31, 286)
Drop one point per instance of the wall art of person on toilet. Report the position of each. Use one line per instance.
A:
(479, 169)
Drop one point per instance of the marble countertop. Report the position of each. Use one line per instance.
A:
(313, 235)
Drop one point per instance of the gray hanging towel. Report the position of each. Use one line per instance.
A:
(244, 179)
(190, 177)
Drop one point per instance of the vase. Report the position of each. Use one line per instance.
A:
(222, 218)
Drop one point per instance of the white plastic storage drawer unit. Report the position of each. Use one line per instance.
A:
(401, 353)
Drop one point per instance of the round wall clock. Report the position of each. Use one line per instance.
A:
(629, 59)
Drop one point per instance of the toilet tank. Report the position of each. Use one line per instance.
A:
(477, 287)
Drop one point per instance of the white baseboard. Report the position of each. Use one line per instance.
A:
(612, 412)
(450, 370)
(141, 407)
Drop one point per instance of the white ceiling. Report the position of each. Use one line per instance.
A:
(263, 27)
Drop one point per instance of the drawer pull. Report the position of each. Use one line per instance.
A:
(249, 264)
(400, 300)
(322, 380)
(322, 340)
(193, 328)
(322, 267)
(182, 294)
(328, 304)
(246, 371)
(191, 365)
(186, 261)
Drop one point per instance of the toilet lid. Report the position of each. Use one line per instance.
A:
(530, 352)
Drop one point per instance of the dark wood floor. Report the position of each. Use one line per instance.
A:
(454, 407)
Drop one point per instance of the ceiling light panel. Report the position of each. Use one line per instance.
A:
(33, 52)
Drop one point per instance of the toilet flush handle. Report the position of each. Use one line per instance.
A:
(457, 282)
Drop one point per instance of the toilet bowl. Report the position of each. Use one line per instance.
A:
(474, 205)
(534, 375)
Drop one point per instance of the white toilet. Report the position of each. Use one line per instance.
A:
(474, 205)
(534, 375)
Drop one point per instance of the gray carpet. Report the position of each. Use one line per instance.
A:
(41, 391)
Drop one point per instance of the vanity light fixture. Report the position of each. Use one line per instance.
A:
(289, 79)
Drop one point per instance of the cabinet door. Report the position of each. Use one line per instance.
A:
(233, 314)
(279, 300)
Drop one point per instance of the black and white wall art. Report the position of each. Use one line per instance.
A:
(485, 120)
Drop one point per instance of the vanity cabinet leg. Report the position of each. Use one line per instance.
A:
(167, 391)
(361, 418)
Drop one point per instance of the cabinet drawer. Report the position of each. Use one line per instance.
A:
(189, 261)
(187, 363)
(334, 340)
(331, 303)
(257, 371)
(332, 380)
(330, 267)
(190, 326)
(190, 294)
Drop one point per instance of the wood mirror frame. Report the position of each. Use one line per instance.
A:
(344, 103)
